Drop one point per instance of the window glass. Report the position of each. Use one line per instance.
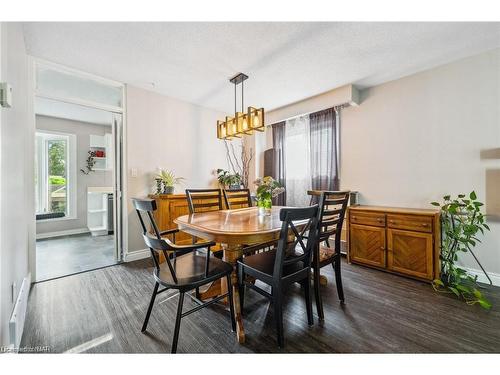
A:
(51, 177)
(55, 83)
(57, 162)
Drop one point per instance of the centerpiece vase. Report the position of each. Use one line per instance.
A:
(265, 206)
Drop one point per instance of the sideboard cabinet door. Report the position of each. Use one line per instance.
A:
(410, 253)
(368, 245)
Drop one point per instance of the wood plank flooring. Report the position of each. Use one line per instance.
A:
(102, 312)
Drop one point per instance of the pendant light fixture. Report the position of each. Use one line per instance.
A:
(242, 123)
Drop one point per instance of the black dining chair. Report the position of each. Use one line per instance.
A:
(237, 198)
(331, 213)
(288, 263)
(183, 269)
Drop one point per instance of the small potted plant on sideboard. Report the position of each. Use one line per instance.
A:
(166, 182)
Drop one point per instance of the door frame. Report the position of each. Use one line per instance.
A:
(120, 206)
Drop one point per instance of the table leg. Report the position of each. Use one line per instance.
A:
(231, 254)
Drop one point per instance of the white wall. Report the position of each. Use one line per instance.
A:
(415, 139)
(82, 131)
(16, 145)
(172, 134)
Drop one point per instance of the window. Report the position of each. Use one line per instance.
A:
(297, 161)
(55, 177)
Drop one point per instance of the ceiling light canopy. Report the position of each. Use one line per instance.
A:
(242, 123)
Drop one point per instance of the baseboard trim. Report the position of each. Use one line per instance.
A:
(18, 314)
(481, 277)
(61, 233)
(137, 255)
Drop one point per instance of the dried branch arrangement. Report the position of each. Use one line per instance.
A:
(239, 165)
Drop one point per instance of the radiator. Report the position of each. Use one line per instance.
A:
(16, 323)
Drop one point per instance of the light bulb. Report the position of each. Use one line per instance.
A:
(256, 121)
(234, 128)
(223, 131)
(245, 124)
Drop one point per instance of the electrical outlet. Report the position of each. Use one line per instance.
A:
(5, 95)
(133, 172)
(14, 291)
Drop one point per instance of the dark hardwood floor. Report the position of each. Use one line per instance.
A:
(102, 311)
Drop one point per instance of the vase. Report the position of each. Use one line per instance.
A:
(265, 206)
(168, 189)
(158, 185)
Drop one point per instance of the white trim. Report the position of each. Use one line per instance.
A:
(84, 103)
(73, 71)
(495, 277)
(60, 233)
(136, 255)
(124, 174)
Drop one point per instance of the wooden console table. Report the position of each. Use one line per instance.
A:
(170, 207)
(400, 240)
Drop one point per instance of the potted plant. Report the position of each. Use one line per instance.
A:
(461, 223)
(168, 181)
(90, 162)
(267, 188)
(228, 180)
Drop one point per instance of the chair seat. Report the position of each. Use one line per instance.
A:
(326, 255)
(190, 271)
(263, 265)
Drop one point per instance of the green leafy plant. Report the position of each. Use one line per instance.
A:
(90, 162)
(57, 180)
(227, 179)
(169, 179)
(462, 221)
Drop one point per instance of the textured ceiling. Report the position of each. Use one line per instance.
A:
(286, 62)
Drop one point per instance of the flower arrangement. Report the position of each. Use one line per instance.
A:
(267, 188)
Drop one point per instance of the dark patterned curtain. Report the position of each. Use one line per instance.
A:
(324, 152)
(279, 161)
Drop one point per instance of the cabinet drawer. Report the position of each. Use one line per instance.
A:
(410, 222)
(368, 218)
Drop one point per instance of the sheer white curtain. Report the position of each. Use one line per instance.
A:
(297, 161)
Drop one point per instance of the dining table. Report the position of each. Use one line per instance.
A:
(234, 230)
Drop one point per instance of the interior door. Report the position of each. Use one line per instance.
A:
(367, 245)
(410, 253)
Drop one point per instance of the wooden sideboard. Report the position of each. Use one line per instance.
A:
(399, 240)
(170, 207)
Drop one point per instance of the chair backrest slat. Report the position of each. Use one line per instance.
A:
(204, 200)
(238, 198)
(289, 217)
(331, 213)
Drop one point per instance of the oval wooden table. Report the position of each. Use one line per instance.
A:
(233, 229)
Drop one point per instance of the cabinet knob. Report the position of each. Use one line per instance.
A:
(379, 220)
(382, 248)
(391, 221)
(354, 217)
(424, 224)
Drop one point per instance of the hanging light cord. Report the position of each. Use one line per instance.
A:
(234, 97)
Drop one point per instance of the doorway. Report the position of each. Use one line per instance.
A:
(78, 161)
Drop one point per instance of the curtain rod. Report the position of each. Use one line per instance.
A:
(336, 108)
